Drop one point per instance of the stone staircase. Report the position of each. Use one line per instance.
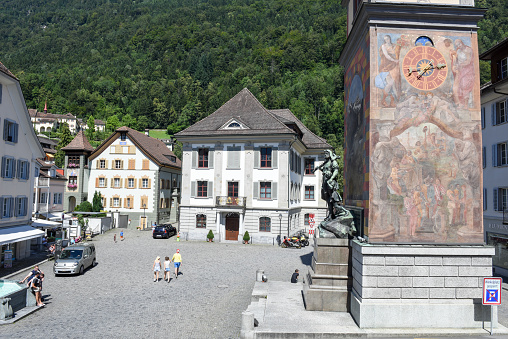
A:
(328, 283)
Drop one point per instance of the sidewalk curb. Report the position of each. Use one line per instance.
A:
(23, 270)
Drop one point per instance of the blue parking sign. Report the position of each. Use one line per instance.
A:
(492, 291)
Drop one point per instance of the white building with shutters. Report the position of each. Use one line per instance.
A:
(19, 150)
(136, 175)
(247, 168)
(494, 97)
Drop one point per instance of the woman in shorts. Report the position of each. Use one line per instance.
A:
(156, 269)
(167, 269)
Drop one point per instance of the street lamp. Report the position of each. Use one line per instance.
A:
(280, 228)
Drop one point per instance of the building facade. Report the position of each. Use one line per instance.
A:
(45, 122)
(247, 168)
(19, 149)
(136, 175)
(49, 191)
(76, 171)
(494, 97)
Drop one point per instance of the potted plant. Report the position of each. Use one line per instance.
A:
(210, 236)
(246, 237)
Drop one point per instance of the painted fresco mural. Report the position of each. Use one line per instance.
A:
(425, 157)
(357, 101)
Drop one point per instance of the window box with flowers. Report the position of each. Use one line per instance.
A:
(72, 185)
(72, 165)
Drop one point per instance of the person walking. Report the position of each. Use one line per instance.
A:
(167, 269)
(156, 269)
(177, 260)
(121, 235)
(114, 238)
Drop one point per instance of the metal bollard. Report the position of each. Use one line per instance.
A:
(259, 275)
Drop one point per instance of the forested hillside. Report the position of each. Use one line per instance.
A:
(158, 62)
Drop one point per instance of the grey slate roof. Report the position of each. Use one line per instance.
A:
(260, 121)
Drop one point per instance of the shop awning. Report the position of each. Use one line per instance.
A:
(10, 235)
(45, 223)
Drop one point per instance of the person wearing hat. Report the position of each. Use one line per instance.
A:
(156, 268)
(177, 260)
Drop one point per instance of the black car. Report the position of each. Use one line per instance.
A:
(163, 231)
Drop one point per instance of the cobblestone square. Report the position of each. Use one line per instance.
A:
(118, 298)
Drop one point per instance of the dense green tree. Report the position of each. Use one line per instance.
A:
(65, 138)
(90, 131)
(97, 202)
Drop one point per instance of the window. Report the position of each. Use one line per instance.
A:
(203, 158)
(504, 68)
(309, 166)
(499, 114)
(264, 224)
(202, 188)
(266, 157)
(234, 125)
(123, 136)
(102, 182)
(116, 202)
(102, 163)
(10, 131)
(309, 192)
(57, 198)
(200, 221)
(483, 117)
(144, 183)
(21, 206)
(128, 203)
(73, 161)
(306, 219)
(500, 198)
(7, 206)
(118, 164)
(146, 164)
(116, 183)
(265, 190)
(500, 154)
(23, 169)
(232, 189)
(44, 198)
(130, 183)
(8, 167)
(132, 164)
(73, 180)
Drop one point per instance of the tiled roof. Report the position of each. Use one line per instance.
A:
(4, 70)
(245, 107)
(79, 143)
(151, 147)
(259, 120)
(49, 150)
(43, 139)
(99, 122)
(309, 139)
(34, 113)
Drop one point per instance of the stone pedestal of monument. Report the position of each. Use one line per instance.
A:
(328, 283)
(420, 286)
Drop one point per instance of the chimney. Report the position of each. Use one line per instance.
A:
(146, 131)
(46, 107)
(169, 143)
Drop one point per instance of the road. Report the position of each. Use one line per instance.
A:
(118, 298)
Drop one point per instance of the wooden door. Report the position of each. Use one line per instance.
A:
(232, 227)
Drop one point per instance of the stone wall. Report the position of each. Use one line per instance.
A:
(419, 285)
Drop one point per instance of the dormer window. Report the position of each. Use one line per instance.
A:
(234, 125)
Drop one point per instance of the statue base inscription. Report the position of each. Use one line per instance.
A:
(328, 283)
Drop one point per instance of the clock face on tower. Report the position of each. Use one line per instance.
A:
(424, 67)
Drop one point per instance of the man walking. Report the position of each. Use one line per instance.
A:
(177, 260)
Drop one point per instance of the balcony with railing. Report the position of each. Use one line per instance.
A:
(42, 182)
(235, 202)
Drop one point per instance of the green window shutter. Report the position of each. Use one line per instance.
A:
(210, 157)
(274, 190)
(193, 189)
(194, 158)
(209, 189)
(255, 187)
(275, 157)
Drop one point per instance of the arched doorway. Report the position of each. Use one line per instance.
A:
(42, 129)
(72, 204)
(232, 226)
